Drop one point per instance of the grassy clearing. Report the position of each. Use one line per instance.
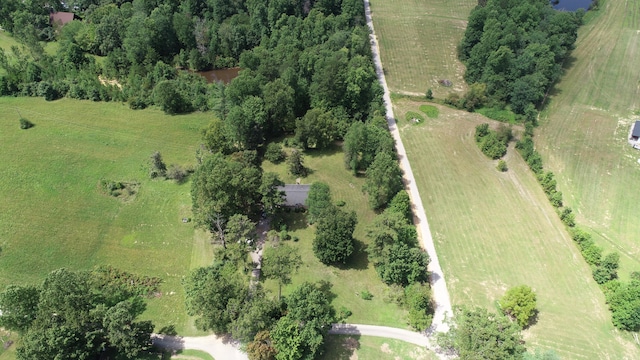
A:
(503, 115)
(414, 118)
(369, 347)
(53, 215)
(418, 40)
(497, 230)
(192, 355)
(583, 137)
(349, 282)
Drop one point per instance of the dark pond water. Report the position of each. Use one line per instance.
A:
(570, 5)
(224, 75)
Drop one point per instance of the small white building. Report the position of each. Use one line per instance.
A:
(634, 135)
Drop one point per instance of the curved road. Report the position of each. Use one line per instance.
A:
(438, 284)
(223, 349)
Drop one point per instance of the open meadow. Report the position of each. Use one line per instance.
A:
(53, 213)
(497, 230)
(418, 40)
(584, 130)
(349, 281)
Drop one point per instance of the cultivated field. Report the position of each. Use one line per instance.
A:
(53, 215)
(586, 124)
(348, 282)
(497, 230)
(418, 40)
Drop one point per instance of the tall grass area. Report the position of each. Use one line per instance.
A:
(418, 40)
(584, 130)
(496, 230)
(53, 215)
(348, 281)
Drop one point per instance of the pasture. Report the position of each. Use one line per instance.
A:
(418, 42)
(584, 129)
(53, 215)
(497, 230)
(348, 281)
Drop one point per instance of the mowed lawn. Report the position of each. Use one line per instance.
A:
(53, 215)
(583, 136)
(496, 230)
(339, 347)
(418, 40)
(348, 281)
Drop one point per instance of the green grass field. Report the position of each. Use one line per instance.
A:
(52, 214)
(497, 230)
(328, 166)
(583, 137)
(418, 40)
(369, 347)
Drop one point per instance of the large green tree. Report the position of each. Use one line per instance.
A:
(279, 263)
(334, 236)
(384, 180)
(479, 334)
(520, 304)
(215, 295)
(222, 187)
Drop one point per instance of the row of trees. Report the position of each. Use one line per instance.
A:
(621, 297)
(517, 48)
(81, 315)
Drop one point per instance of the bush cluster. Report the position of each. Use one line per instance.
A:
(493, 143)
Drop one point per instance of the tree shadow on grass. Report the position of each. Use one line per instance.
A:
(329, 151)
(359, 260)
(340, 347)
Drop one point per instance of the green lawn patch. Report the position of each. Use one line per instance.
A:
(414, 118)
(54, 212)
(349, 281)
(495, 230)
(502, 115)
(192, 355)
(430, 110)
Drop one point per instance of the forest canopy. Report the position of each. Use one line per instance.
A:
(294, 55)
(517, 48)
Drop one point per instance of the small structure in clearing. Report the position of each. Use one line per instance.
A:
(295, 195)
(634, 135)
(60, 18)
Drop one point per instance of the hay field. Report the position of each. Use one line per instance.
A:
(52, 214)
(497, 230)
(583, 131)
(418, 40)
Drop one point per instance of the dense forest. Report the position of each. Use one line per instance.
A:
(517, 49)
(294, 55)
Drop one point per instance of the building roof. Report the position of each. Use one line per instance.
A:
(61, 17)
(636, 129)
(295, 194)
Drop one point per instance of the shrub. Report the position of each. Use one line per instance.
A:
(502, 166)
(157, 167)
(26, 124)
(177, 173)
(340, 203)
(429, 95)
(568, 217)
(492, 147)
(414, 118)
(418, 300)
(274, 153)
(366, 295)
(520, 304)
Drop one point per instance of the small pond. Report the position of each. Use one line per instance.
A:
(570, 5)
(224, 75)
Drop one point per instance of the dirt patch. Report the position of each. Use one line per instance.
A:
(105, 82)
(385, 348)
(351, 344)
